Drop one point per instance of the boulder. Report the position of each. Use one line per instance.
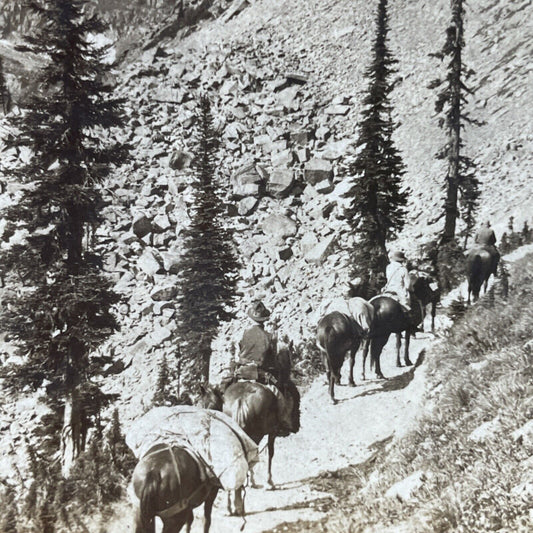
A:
(246, 181)
(246, 206)
(282, 159)
(180, 159)
(280, 182)
(319, 253)
(141, 226)
(285, 253)
(324, 186)
(279, 226)
(149, 262)
(164, 294)
(404, 490)
(160, 223)
(318, 170)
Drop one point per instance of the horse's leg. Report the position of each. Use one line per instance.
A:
(140, 526)
(189, 520)
(230, 511)
(239, 502)
(366, 344)
(174, 523)
(253, 484)
(351, 382)
(331, 381)
(376, 347)
(398, 348)
(406, 350)
(208, 508)
(271, 439)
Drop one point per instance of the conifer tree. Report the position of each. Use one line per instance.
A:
(377, 209)
(462, 185)
(63, 311)
(8, 523)
(4, 93)
(208, 264)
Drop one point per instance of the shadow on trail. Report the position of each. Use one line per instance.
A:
(390, 384)
(319, 504)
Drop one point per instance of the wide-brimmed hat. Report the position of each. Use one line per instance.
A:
(258, 311)
(398, 256)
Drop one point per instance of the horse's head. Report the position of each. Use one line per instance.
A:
(211, 397)
(284, 357)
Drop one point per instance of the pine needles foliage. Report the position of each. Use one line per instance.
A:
(209, 265)
(377, 209)
(62, 308)
(462, 185)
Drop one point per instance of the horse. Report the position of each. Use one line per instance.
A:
(480, 264)
(389, 317)
(169, 481)
(254, 407)
(426, 290)
(337, 334)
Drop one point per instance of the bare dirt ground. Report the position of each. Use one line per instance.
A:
(331, 438)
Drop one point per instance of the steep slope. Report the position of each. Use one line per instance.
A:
(289, 77)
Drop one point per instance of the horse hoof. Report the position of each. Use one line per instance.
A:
(352, 384)
(334, 402)
(408, 363)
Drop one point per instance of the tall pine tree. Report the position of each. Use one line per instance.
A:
(63, 309)
(208, 266)
(462, 185)
(377, 208)
(5, 99)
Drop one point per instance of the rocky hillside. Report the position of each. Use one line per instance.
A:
(288, 78)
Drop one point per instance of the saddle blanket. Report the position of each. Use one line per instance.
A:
(216, 438)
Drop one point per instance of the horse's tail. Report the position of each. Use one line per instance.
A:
(292, 391)
(475, 273)
(330, 346)
(148, 500)
(240, 412)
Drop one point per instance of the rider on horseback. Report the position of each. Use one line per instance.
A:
(486, 239)
(399, 285)
(257, 361)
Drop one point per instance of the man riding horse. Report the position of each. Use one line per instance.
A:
(486, 239)
(399, 285)
(257, 361)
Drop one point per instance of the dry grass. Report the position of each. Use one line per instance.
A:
(482, 372)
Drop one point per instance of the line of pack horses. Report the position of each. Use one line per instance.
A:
(164, 478)
(170, 475)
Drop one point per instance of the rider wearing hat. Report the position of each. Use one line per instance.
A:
(256, 360)
(257, 347)
(486, 238)
(399, 284)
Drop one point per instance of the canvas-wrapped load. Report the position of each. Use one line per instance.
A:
(357, 308)
(221, 444)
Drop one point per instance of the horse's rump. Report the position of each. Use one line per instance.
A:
(335, 333)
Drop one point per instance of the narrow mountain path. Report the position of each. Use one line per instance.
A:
(331, 437)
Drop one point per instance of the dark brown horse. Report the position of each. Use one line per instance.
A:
(255, 408)
(170, 481)
(480, 264)
(426, 290)
(338, 334)
(389, 317)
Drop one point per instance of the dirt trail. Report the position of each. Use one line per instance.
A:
(331, 437)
